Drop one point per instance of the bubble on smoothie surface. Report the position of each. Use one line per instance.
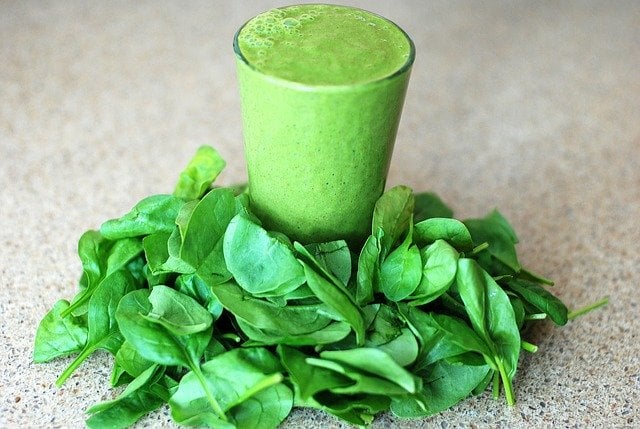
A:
(324, 45)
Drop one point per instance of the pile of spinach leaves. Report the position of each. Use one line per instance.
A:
(232, 325)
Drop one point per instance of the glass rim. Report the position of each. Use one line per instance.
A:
(406, 66)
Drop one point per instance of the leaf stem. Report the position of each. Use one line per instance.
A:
(506, 382)
(74, 365)
(195, 367)
(527, 346)
(479, 248)
(588, 308)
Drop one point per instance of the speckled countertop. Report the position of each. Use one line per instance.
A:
(531, 107)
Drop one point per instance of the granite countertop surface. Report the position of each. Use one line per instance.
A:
(530, 107)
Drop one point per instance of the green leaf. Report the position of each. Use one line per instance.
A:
(126, 411)
(496, 230)
(541, 299)
(428, 205)
(309, 379)
(338, 299)
(242, 383)
(59, 336)
(452, 231)
(444, 385)
(156, 213)
(334, 257)
(131, 361)
(401, 271)
(492, 316)
(393, 213)
(151, 339)
(259, 262)
(438, 273)
(288, 320)
(374, 361)
(204, 227)
(100, 259)
(200, 173)
(368, 275)
(331, 333)
(103, 332)
(177, 312)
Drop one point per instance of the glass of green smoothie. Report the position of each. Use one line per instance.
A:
(321, 89)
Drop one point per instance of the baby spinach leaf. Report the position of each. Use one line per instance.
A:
(103, 332)
(444, 385)
(376, 362)
(100, 259)
(459, 333)
(452, 231)
(131, 361)
(156, 213)
(331, 333)
(194, 286)
(401, 271)
(338, 299)
(268, 316)
(59, 336)
(368, 275)
(265, 409)
(393, 213)
(438, 273)
(151, 374)
(125, 411)
(403, 349)
(205, 226)
(541, 299)
(358, 409)
(199, 174)
(428, 205)
(334, 257)
(177, 312)
(259, 262)
(492, 316)
(309, 379)
(234, 377)
(152, 340)
(496, 230)
(363, 382)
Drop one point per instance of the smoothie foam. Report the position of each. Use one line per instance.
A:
(324, 45)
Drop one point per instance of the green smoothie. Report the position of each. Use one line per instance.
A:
(322, 88)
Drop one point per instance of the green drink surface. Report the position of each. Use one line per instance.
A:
(324, 45)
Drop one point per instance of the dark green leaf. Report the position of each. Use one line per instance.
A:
(496, 230)
(541, 299)
(428, 205)
(444, 385)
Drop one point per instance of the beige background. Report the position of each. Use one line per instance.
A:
(531, 107)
